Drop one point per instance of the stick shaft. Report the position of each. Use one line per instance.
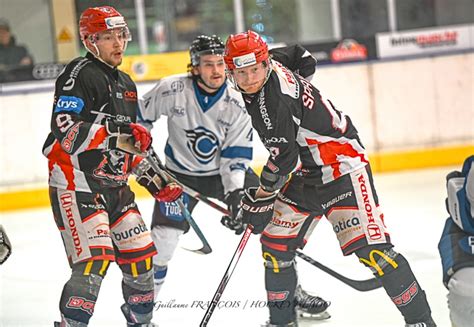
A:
(360, 285)
(227, 275)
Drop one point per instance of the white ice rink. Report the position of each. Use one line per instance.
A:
(413, 202)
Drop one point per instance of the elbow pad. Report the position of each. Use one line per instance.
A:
(271, 182)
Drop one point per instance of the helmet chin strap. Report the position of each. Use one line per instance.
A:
(97, 56)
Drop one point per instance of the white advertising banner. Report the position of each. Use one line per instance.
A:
(425, 41)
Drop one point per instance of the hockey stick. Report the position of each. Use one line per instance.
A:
(206, 200)
(360, 285)
(227, 275)
(155, 162)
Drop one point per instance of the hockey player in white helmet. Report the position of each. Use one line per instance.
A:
(209, 148)
(456, 246)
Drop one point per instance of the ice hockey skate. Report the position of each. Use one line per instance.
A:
(291, 324)
(311, 307)
(428, 323)
(69, 323)
(133, 318)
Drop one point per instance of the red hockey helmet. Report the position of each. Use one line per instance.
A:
(98, 19)
(245, 49)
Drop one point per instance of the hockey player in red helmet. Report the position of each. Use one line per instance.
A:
(104, 24)
(247, 49)
(92, 149)
(306, 136)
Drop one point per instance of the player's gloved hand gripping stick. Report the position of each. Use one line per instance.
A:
(156, 164)
(360, 285)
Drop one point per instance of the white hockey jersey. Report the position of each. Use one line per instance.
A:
(208, 135)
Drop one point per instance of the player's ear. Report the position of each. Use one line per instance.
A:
(195, 70)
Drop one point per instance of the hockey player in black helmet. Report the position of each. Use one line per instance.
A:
(209, 148)
(209, 144)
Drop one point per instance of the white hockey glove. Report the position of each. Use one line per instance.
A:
(5, 246)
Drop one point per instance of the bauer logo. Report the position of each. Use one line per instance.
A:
(69, 103)
(245, 60)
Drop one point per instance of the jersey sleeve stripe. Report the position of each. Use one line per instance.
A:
(98, 139)
(237, 152)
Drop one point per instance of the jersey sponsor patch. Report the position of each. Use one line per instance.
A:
(172, 210)
(69, 103)
(245, 60)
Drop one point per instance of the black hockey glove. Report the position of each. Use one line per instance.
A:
(5, 246)
(257, 212)
(129, 137)
(234, 221)
(160, 189)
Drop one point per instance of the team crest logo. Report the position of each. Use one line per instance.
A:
(202, 143)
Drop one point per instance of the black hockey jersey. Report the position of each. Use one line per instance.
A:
(297, 124)
(87, 92)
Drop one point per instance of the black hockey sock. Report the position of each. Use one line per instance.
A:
(79, 297)
(280, 283)
(403, 288)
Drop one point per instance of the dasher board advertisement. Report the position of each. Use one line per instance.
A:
(425, 41)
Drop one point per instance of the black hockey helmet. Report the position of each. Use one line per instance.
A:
(203, 45)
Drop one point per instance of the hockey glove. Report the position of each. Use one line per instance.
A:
(234, 221)
(132, 138)
(155, 184)
(257, 211)
(5, 246)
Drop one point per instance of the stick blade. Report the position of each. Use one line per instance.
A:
(206, 249)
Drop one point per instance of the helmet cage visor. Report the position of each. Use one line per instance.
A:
(122, 33)
(196, 56)
(230, 75)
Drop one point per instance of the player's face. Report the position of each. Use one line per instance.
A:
(250, 79)
(212, 70)
(111, 45)
(4, 36)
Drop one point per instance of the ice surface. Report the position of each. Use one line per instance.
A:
(31, 280)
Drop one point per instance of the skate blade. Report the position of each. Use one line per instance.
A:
(314, 316)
